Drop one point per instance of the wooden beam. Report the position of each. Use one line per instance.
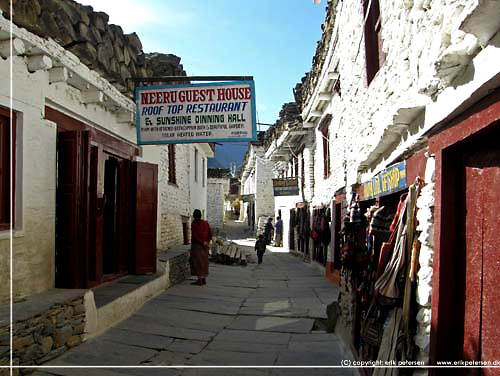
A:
(92, 96)
(324, 96)
(333, 75)
(125, 117)
(316, 113)
(59, 74)
(18, 47)
(191, 78)
(299, 132)
(39, 62)
(308, 124)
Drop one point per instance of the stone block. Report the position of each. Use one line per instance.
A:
(62, 335)
(48, 328)
(52, 354)
(99, 20)
(79, 309)
(79, 329)
(46, 344)
(20, 342)
(73, 341)
(32, 353)
(4, 337)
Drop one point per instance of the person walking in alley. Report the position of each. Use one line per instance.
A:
(278, 230)
(260, 248)
(268, 231)
(201, 235)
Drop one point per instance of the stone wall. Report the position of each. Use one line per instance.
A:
(33, 240)
(178, 268)
(215, 205)
(425, 217)
(264, 198)
(45, 336)
(101, 46)
(174, 204)
(382, 120)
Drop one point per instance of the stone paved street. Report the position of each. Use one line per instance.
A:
(258, 315)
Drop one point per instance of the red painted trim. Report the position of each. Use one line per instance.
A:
(332, 274)
(466, 124)
(415, 166)
(446, 147)
(12, 134)
(110, 143)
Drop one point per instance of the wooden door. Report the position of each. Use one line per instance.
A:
(481, 259)
(145, 177)
(94, 254)
(123, 217)
(73, 150)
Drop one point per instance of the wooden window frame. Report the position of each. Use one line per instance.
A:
(375, 57)
(172, 177)
(324, 129)
(8, 165)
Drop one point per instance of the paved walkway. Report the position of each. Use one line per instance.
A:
(258, 315)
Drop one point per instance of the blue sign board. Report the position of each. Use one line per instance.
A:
(392, 179)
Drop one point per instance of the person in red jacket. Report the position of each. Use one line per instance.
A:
(201, 235)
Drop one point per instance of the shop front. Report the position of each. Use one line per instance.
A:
(379, 250)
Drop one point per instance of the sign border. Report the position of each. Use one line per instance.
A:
(251, 83)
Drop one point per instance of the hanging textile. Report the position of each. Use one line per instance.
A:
(389, 286)
(388, 346)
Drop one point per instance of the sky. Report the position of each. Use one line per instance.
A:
(272, 40)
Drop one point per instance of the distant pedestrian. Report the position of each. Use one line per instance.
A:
(201, 235)
(268, 231)
(260, 248)
(278, 229)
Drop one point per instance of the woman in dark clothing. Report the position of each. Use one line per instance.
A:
(201, 235)
(268, 231)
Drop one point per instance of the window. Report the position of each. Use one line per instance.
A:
(7, 163)
(324, 129)
(203, 171)
(195, 164)
(171, 164)
(375, 58)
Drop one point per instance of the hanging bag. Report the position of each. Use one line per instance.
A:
(388, 287)
(373, 328)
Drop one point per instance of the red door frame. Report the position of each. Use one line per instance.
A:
(93, 206)
(446, 146)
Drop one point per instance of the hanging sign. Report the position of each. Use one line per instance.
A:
(390, 180)
(286, 187)
(193, 113)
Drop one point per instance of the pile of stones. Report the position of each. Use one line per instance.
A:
(103, 47)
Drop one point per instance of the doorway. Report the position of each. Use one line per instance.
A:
(479, 263)
(111, 214)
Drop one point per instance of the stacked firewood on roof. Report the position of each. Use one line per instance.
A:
(101, 46)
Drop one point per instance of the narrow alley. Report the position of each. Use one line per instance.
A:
(272, 314)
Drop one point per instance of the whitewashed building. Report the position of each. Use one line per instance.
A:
(256, 186)
(417, 83)
(89, 204)
(217, 197)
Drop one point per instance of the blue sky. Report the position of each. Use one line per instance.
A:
(272, 40)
